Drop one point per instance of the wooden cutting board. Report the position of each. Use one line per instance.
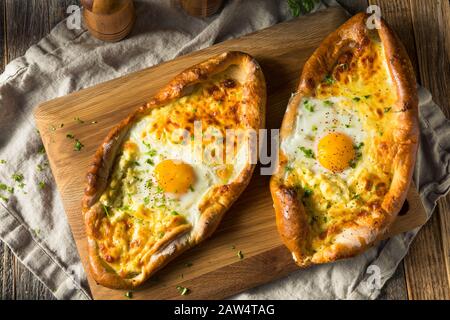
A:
(249, 226)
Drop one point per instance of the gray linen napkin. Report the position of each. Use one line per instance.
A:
(33, 223)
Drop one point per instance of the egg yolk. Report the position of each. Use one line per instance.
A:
(174, 176)
(335, 151)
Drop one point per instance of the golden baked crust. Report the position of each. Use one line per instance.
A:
(348, 237)
(180, 236)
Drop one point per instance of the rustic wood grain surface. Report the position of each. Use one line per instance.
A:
(425, 31)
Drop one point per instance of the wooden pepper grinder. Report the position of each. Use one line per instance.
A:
(109, 20)
(201, 8)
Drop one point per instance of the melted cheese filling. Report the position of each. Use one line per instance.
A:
(336, 183)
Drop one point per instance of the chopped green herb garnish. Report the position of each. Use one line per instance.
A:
(2, 161)
(240, 255)
(308, 106)
(328, 79)
(348, 125)
(70, 136)
(358, 155)
(18, 177)
(356, 196)
(4, 198)
(161, 205)
(3, 186)
(78, 145)
(314, 128)
(307, 152)
(191, 188)
(288, 168)
(146, 200)
(129, 295)
(41, 150)
(106, 209)
(161, 234)
(367, 96)
(41, 184)
(386, 110)
(328, 103)
(183, 290)
(356, 99)
(307, 192)
(147, 144)
(150, 162)
(149, 184)
(174, 213)
(298, 7)
(151, 152)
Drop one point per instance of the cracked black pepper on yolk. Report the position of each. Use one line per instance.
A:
(335, 151)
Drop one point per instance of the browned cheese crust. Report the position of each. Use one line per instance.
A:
(219, 199)
(291, 216)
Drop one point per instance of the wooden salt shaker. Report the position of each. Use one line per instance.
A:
(109, 20)
(201, 8)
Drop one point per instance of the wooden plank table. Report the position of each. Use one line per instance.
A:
(425, 31)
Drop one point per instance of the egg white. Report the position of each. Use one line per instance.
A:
(315, 119)
(205, 173)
